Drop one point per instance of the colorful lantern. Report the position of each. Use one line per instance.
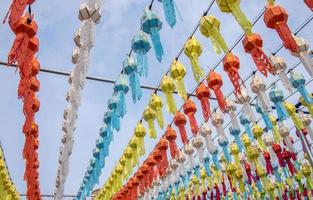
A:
(223, 142)
(277, 97)
(244, 99)
(258, 132)
(149, 116)
(306, 120)
(291, 109)
(232, 6)
(210, 27)
(307, 105)
(141, 46)
(178, 72)
(258, 87)
(303, 54)
(188, 150)
(231, 65)
(309, 3)
(156, 104)
(121, 88)
(162, 147)
(190, 109)
(140, 133)
(218, 121)
(215, 83)
(170, 135)
(168, 87)
(169, 7)
(203, 94)
(113, 116)
(246, 123)
(198, 143)
(130, 68)
(276, 17)
(265, 116)
(193, 50)
(236, 133)
(280, 67)
(253, 44)
(284, 132)
(151, 24)
(231, 111)
(206, 132)
(298, 81)
(180, 122)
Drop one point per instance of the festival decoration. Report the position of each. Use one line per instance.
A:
(180, 121)
(130, 68)
(178, 72)
(149, 116)
(309, 3)
(190, 109)
(120, 90)
(193, 51)
(215, 83)
(168, 87)
(258, 87)
(244, 99)
(265, 116)
(276, 17)
(151, 24)
(198, 143)
(141, 46)
(246, 123)
(210, 27)
(170, 10)
(307, 105)
(306, 120)
(277, 97)
(253, 44)
(170, 135)
(231, 65)
(297, 80)
(203, 94)
(280, 67)
(156, 104)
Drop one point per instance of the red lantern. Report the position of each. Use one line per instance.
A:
(309, 3)
(231, 65)
(287, 157)
(190, 109)
(253, 45)
(215, 82)
(203, 94)
(170, 135)
(162, 147)
(267, 158)
(180, 121)
(276, 17)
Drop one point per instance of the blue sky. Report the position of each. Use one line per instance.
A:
(58, 22)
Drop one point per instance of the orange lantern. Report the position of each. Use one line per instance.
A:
(231, 65)
(156, 154)
(253, 44)
(203, 94)
(162, 147)
(276, 17)
(180, 121)
(309, 3)
(215, 82)
(171, 136)
(190, 109)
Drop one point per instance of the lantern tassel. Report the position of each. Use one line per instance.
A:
(286, 36)
(169, 12)
(152, 131)
(218, 42)
(173, 148)
(261, 61)
(285, 81)
(121, 107)
(181, 89)
(142, 63)
(159, 117)
(207, 166)
(241, 18)
(193, 124)
(226, 153)
(115, 121)
(198, 72)
(304, 93)
(157, 45)
(135, 86)
(220, 99)
(206, 110)
(307, 62)
(215, 161)
(246, 107)
(171, 105)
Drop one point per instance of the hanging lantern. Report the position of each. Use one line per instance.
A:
(232, 6)
(141, 46)
(280, 67)
(121, 88)
(210, 27)
(231, 111)
(246, 123)
(162, 147)
(168, 87)
(193, 50)
(178, 72)
(190, 109)
(180, 122)
(149, 116)
(198, 143)
(215, 82)
(244, 99)
(284, 132)
(188, 150)
(258, 87)
(130, 68)
(151, 24)
(236, 133)
(307, 105)
(258, 132)
(231, 65)
(306, 120)
(276, 17)
(156, 104)
(298, 81)
(206, 132)
(303, 54)
(277, 97)
(140, 133)
(309, 3)
(253, 44)
(170, 135)
(218, 121)
(265, 116)
(181, 161)
(112, 117)
(291, 109)
(203, 94)
(169, 7)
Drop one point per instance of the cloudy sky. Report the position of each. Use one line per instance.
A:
(57, 21)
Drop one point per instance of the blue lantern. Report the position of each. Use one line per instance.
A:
(130, 68)
(120, 90)
(115, 120)
(236, 133)
(169, 7)
(246, 123)
(297, 81)
(277, 97)
(223, 142)
(265, 116)
(141, 46)
(214, 154)
(207, 166)
(151, 24)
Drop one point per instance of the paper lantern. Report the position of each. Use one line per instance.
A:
(258, 132)
(168, 87)
(198, 143)
(178, 72)
(140, 133)
(277, 97)
(265, 116)
(188, 150)
(151, 24)
(287, 156)
(306, 120)
(170, 135)
(276, 17)
(210, 27)
(193, 51)
(121, 88)
(280, 67)
(215, 83)
(297, 81)
(309, 3)
(236, 133)
(206, 132)
(246, 123)
(162, 147)
(253, 44)
(130, 69)
(141, 46)
(203, 94)
(258, 87)
(180, 122)
(303, 54)
(244, 99)
(218, 121)
(307, 105)
(223, 142)
(284, 132)
(232, 6)
(113, 117)
(170, 10)
(149, 116)
(231, 111)
(190, 109)
(231, 65)
(156, 104)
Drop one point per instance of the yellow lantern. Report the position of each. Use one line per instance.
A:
(258, 132)
(156, 104)
(178, 72)
(149, 116)
(168, 87)
(140, 133)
